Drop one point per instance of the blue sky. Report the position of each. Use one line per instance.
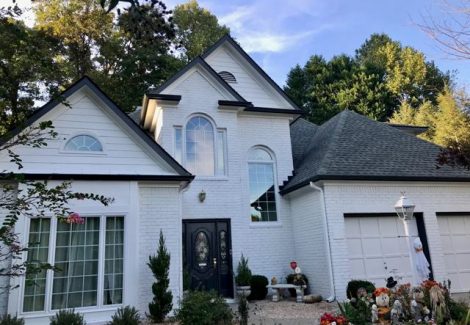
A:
(279, 34)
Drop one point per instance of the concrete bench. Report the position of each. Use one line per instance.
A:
(299, 290)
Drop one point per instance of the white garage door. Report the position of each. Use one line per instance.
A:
(378, 248)
(455, 238)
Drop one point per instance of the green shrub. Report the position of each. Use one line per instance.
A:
(125, 316)
(353, 285)
(67, 317)
(258, 287)
(458, 310)
(243, 277)
(161, 304)
(9, 320)
(204, 308)
(297, 279)
(360, 313)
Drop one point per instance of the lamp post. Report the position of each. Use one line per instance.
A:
(405, 208)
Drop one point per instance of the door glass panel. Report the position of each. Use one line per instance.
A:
(201, 248)
(223, 252)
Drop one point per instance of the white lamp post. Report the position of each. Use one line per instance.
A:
(405, 209)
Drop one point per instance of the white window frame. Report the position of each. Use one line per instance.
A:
(100, 306)
(216, 132)
(278, 222)
(83, 152)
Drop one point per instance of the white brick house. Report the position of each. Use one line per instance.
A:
(220, 161)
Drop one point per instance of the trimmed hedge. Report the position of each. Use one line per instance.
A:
(258, 287)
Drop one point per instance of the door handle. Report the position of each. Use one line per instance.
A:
(214, 262)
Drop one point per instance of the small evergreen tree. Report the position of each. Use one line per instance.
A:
(160, 266)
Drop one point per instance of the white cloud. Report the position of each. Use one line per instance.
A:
(270, 42)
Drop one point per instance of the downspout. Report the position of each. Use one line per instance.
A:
(332, 296)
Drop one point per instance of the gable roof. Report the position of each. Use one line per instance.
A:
(116, 111)
(353, 147)
(227, 38)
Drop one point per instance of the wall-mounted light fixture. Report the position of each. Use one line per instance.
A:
(202, 196)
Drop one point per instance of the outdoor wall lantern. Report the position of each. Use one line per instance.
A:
(404, 207)
(202, 196)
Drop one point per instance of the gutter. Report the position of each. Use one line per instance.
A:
(332, 296)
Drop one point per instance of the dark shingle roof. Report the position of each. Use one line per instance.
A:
(352, 147)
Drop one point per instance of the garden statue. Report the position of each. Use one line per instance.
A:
(382, 299)
(397, 312)
(417, 305)
(375, 314)
(273, 280)
(391, 283)
(422, 264)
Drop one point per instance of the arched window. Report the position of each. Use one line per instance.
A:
(200, 146)
(262, 185)
(83, 143)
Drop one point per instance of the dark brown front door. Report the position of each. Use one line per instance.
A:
(208, 255)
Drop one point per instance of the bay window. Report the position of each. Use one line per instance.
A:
(89, 261)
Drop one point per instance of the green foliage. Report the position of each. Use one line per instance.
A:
(354, 285)
(125, 316)
(196, 28)
(67, 317)
(11, 320)
(243, 277)
(358, 313)
(297, 279)
(204, 308)
(374, 82)
(161, 304)
(258, 287)
(243, 309)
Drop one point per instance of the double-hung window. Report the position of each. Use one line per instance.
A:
(89, 258)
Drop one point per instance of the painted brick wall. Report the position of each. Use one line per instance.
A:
(269, 247)
(4, 281)
(159, 208)
(379, 197)
(309, 239)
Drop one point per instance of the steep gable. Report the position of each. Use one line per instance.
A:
(127, 149)
(251, 81)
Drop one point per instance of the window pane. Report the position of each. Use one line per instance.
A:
(178, 144)
(259, 154)
(113, 265)
(83, 143)
(35, 289)
(262, 192)
(221, 152)
(76, 284)
(200, 146)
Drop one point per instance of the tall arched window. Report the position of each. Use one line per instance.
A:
(262, 185)
(83, 142)
(200, 146)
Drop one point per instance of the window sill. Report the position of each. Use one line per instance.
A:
(266, 224)
(211, 178)
(82, 310)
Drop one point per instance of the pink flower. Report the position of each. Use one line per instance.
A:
(74, 218)
(293, 265)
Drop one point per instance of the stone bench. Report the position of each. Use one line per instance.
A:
(299, 290)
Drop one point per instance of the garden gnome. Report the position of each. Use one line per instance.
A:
(422, 264)
(375, 314)
(396, 313)
(417, 305)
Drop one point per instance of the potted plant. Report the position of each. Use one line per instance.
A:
(243, 278)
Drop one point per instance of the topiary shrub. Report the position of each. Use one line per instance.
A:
(258, 287)
(125, 316)
(353, 285)
(9, 320)
(204, 308)
(243, 277)
(297, 279)
(67, 317)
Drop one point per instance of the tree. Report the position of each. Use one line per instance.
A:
(196, 28)
(26, 70)
(374, 82)
(161, 304)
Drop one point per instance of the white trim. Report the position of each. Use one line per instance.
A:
(92, 134)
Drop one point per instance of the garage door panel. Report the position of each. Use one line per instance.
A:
(369, 226)
(455, 240)
(378, 248)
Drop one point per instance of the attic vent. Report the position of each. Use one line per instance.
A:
(228, 77)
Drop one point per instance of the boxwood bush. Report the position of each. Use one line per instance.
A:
(258, 287)
(204, 308)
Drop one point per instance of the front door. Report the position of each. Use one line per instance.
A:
(208, 255)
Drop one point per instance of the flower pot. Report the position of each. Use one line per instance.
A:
(243, 290)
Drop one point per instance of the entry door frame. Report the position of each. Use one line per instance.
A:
(229, 248)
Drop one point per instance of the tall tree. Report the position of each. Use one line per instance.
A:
(196, 28)
(27, 70)
(374, 82)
